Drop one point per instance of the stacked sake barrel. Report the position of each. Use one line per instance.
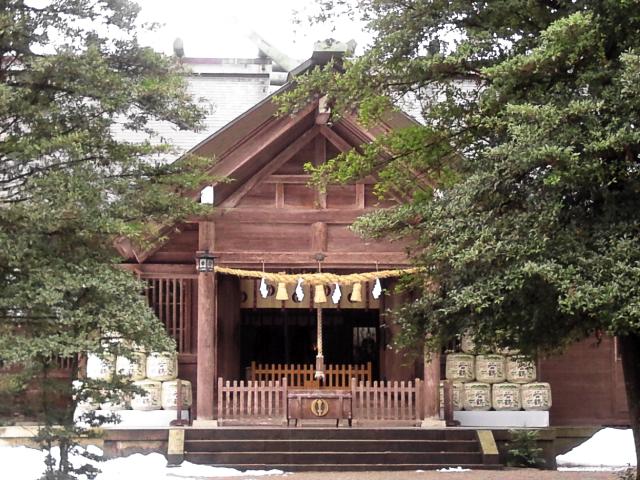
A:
(503, 381)
(155, 374)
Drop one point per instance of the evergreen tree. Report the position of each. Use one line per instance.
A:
(73, 77)
(521, 186)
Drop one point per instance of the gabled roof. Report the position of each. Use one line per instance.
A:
(257, 142)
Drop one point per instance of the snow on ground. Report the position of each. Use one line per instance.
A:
(453, 469)
(608, 448)
(28, 464)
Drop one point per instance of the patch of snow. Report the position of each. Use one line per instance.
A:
(453, 469)
(28, 464)
(609, 447)
(22, 463)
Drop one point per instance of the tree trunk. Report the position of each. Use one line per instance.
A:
(630, 349)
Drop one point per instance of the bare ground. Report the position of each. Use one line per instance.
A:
(511, 474)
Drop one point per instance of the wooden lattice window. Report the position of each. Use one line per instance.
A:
(171, 300)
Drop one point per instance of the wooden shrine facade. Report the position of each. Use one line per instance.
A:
(268, 217)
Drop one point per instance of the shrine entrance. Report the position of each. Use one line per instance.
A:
(306, 360)
(287, 337)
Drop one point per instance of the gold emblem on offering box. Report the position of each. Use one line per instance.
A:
(319, 407)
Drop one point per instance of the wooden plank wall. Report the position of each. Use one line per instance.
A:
(586, 384)
(396, 365)
(277, 215)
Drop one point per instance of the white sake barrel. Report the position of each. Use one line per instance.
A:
(536, 396)
(520, 370)
(490, 368)
(100, 368)
(457, 389)
(151, 399)
(467, 345)
(477, 396)
(170, 394)
(162, 366)
(134, 368)
(111, 338)
(505, 396)
(138, 348)
(459, 366)
(508, 351)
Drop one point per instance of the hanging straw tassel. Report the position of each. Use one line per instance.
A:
(320, 296)
(282, 293)
(356, 293)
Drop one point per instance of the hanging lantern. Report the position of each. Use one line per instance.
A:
(320, 295)
(282, 294)
(377, 289)
(356, 293)
(204, 261)
(264, 289)
(299, 292)
(337, 294)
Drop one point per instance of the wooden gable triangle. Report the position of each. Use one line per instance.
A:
(278, 161)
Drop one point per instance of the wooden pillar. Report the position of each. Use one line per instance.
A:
(432, 390)
(207, 330)
(432, 380)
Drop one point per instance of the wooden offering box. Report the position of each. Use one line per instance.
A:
(319, 405)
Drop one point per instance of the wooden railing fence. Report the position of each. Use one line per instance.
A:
(301, 376)
(390, 400)
(260, 400)
(266, 401)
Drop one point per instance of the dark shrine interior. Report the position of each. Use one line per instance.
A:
(288, 336)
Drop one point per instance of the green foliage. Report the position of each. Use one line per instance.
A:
(72, 75)
(523, 450)
(520, 187)
(13, 385)
(520, 190)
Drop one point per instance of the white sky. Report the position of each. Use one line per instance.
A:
(214, 28)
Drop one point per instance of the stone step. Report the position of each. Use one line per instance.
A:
(354, 467)
(268, 459)
(327, 434)
(327, 445)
